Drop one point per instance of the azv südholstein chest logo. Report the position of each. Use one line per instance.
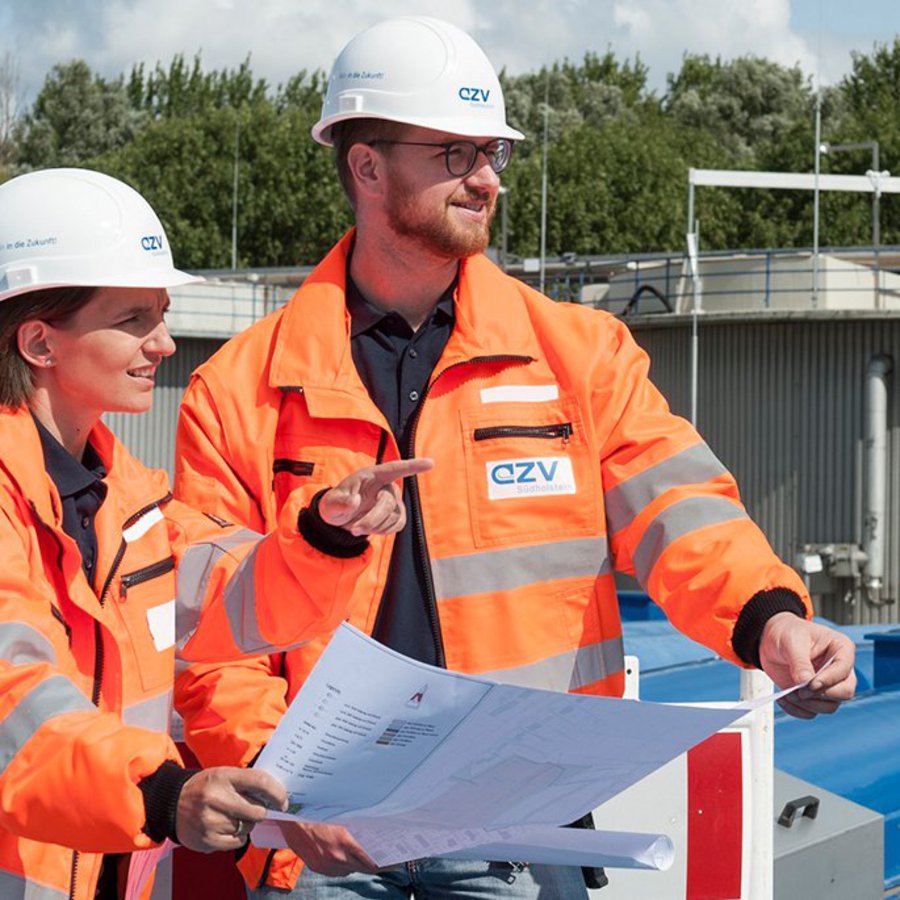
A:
(539, 476)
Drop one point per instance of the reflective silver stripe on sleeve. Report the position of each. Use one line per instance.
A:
(176, 727)
(194, 571)
(53, 697)
(153, 714)
(695, 465)
(676, 521)
(567, 671)
(504, 570)
(21, 644)
(15, 887)
(240, 607)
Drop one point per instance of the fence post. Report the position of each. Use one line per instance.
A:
(762, 780)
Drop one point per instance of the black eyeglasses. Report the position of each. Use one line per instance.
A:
(460, 156)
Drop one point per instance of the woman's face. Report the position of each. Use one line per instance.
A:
(104, 358)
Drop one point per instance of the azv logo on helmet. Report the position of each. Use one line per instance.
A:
(152, 242)
(474, 94)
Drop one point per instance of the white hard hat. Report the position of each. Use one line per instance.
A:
(75, 227)
(419, 71)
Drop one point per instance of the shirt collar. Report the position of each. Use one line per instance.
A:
(363, 315)
(68, 474)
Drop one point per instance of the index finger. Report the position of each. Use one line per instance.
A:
(385, 473)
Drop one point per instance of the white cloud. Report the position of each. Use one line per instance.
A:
(284, 36)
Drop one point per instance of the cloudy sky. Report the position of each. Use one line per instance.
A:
(284, 36)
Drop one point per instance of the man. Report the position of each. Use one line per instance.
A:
(555, 458)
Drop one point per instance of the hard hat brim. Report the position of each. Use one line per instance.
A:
(154, 281)
(321, 131)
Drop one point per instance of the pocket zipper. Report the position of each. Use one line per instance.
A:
(293, 466)
(145, 574)
(562, 430)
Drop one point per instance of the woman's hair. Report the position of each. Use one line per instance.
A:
(53, 305)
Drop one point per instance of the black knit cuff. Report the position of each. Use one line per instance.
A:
(757, 611)
(329, 539)
(161, 791)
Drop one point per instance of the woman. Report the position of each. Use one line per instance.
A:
(95, 553)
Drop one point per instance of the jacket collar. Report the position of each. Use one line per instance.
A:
(312, 349)
(20, 448)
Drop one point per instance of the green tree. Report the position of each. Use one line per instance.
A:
(743, 103)
(871, 111)
(10, 108)
(290, 206)
(185, 89)
(77, 116)
(597, 89)
(616, 189)
(618, 155)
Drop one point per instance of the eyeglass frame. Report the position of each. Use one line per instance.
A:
(447, 146)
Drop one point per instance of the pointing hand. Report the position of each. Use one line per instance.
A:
(370, 501)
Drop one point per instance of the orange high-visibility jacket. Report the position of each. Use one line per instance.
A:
(86, 671)
(556, 461)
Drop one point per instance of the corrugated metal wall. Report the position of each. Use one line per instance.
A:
(151, 436)
(780, 400)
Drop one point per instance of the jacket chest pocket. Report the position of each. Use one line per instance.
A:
(289, 473)
(529, 473)
(147, 606)
(298, 461)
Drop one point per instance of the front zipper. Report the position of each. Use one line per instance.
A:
(74, 874)
(98, 631)
(146, 574)
(562, 430)
(415, 510)
(98, 634)
(58, 615)
(117, 561)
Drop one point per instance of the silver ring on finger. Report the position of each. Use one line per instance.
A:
(241, 827)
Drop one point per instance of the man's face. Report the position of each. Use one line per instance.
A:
(447, 215)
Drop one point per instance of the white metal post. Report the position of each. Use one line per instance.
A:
(815, 285)
(544, 183)
(234, 195)
(693, 240)
(762, 786)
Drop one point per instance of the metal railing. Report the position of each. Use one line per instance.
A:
(850, 278)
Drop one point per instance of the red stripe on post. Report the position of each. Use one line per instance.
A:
(715, 818)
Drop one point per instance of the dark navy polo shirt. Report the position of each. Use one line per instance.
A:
(395, 364)
(82, 491)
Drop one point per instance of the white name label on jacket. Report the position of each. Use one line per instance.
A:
(530, 477)
(161, 620)
(520, 393)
